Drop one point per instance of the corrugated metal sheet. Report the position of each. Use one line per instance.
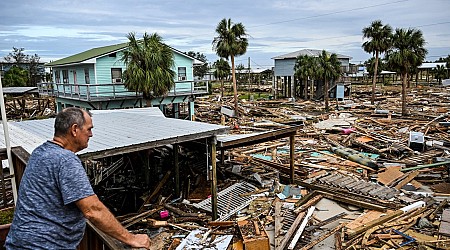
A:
(18, 90)
(229, 200)
(114, 130)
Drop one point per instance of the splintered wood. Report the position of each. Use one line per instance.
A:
(364, 176)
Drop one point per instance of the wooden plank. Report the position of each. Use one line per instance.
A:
(291, 231)
(390, 175)
(301, 228)
(364, 219)
(278, 224)
(375, 222)
(253, 234)
(407, 179)
(322, 237)
(155, 191)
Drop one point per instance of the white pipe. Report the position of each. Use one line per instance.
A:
(8, 145)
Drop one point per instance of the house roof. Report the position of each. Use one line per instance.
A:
(88, 54)
(102, 51)
(431, 65)
(117, 132)
(308, 52)
(19, 90)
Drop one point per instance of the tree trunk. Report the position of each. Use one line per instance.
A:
(233, 73)
(221, 86)
(405, 78)
(325, 93)
(374, 78)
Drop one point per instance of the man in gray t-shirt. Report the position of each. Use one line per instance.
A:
(55, 195)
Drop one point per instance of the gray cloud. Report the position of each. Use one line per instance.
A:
(58, 28)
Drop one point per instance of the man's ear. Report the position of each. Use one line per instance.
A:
(73, 129)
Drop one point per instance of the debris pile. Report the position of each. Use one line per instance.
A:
(365, 178)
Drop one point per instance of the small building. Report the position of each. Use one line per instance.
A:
(285, 83)
(425, 70)
(93, 80)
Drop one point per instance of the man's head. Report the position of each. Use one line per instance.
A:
(74, 125)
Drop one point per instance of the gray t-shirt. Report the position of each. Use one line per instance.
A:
(46, 216)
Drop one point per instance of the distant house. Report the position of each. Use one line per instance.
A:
(286, 85)
(93, 80)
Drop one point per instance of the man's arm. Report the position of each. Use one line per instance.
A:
(97, 213)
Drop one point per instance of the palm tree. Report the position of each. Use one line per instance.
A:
(440, 72)
(329, 70)
(149, 66)
(231, 42)
(408, 51)
(222, 71)
(379, 36)
(304, 70)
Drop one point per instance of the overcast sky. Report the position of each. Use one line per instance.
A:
(54, 29)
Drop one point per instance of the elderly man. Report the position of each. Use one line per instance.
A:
(55, 195)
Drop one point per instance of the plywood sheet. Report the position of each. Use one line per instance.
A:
(390, 175)
(364, 219)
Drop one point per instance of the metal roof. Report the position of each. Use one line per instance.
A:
(102, 51)
(431, 65)
(308, 52)
(240, 140)
(117, 132)
(18, 90)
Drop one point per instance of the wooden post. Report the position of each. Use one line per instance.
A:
(222, 157)
(214, 179)
(291, 157)
(177, 170)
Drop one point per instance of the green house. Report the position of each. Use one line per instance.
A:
(93, 80)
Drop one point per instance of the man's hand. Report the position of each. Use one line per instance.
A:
(140, 240)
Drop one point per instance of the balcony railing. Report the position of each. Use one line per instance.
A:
(96, 92)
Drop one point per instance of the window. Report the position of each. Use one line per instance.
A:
(86, 76)
(181, 73)
(116, 75)
(65, 74)
(57, 76)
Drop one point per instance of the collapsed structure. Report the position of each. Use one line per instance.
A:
(287, 176)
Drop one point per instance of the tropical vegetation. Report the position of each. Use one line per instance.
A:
(325, 67)
(199, 70)
(26, 63)
(305, 70)
(149, 65)
(15, 77)
(231, 41)
(329, 70)
(222, 71)
(440, 72)
(407, 52)
(379, 41)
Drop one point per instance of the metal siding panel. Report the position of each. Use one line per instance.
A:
(284, 67)
(182, 61)
(104, 65)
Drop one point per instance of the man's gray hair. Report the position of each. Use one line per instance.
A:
(67, 117)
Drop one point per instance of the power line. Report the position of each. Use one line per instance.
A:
(331, 13)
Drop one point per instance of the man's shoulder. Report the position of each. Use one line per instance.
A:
(51, 150)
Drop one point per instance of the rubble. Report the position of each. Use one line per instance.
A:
(385, 176)
(365, 177)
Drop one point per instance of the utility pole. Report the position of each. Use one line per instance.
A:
(249, 84)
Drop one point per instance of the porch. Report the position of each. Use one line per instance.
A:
(113, 91)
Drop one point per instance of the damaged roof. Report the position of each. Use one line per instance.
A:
(117, 132)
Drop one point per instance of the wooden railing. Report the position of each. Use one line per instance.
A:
(91, 92)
